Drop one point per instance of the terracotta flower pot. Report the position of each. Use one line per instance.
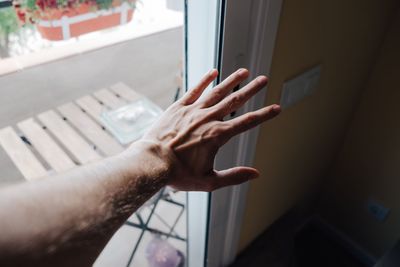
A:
(59, 25)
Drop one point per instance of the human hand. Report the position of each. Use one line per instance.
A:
(193, 130)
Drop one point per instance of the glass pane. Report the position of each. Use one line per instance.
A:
(107, 65)
(203, 23)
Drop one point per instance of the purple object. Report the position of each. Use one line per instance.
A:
(159, 253)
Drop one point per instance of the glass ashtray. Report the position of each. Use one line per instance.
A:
(129, 123)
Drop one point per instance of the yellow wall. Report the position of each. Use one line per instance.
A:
(368, 166)
(295, 149)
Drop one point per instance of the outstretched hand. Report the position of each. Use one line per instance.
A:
(178, 151)
(193, 130)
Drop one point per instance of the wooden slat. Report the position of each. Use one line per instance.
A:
(109, 99)
(46, 146)
(81, 150)
(125, 91)
(91, 106)
(21, 155)
(90, 129)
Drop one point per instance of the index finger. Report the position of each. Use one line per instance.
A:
(225, 87)
(195, 93)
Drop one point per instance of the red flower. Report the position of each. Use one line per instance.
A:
(21, 15)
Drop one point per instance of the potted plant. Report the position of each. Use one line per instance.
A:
(64, 19)
(8, 26)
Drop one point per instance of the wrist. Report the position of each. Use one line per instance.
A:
(152, 160)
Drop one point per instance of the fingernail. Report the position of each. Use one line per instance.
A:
(262, 79)
(212, 72)
(276, 108)
(242, 71)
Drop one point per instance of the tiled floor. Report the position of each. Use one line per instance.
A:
(119, 249)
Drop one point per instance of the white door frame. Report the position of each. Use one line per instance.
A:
(250, 30)
(227, 34)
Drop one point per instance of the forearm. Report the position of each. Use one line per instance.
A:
(66, 220)
(70, 217)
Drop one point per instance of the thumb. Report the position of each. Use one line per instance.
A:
(234, 176)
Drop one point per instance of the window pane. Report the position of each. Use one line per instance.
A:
(65, 67)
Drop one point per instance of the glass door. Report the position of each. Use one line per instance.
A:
(227, 35)
(69, 71)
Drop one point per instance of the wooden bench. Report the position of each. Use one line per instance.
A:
(67, 136)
